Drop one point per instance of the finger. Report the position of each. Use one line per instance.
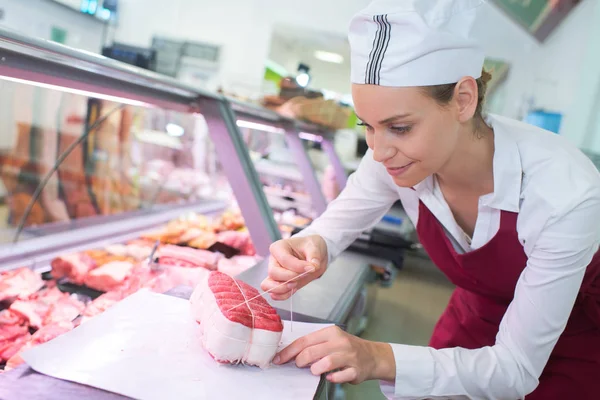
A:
(273, 287)
(281, 297)
(283, 254)
(318, 337)
(278, 273)
(312, 254)
(330, 362)
(348, 375)
(312, 354)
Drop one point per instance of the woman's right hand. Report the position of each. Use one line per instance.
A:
(291, 258)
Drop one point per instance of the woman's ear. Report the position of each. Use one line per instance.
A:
(466, 94)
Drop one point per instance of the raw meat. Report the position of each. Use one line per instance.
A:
(202, 241)
(12, 347)
(186, 257)
(117, 249)
(175, 276)
(234, 332)
(135, 251)
(109, 276)
(236, 265)
(73, 266)
(102, 303)
(230, 220)
(10, 332)
(64, 310)
(46, 307)
(9, 317)
(19, 282)
(43, 335)
(238, 240)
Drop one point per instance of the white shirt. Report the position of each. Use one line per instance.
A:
(556, 191)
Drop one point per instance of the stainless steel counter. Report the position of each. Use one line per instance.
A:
(330, 298)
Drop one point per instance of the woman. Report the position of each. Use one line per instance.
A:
(507, 211)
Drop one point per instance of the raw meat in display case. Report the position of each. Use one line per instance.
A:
(75, 267)
(187, 257)
(108, 276)
(234, 332)
(19, 282)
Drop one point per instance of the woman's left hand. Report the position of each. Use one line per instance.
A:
(356, 360)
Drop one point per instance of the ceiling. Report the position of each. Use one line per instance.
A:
(312, 40)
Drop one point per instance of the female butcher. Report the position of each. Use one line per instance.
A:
(509, 212)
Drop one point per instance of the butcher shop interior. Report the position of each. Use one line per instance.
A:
(151, 153)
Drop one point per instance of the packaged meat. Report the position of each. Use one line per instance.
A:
(19, 282)
(109, 276)
(235, 330)
(236, 265)
(187, 257)
(75, 267)
(43, 335)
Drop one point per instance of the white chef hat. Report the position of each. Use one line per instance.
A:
(414, 43)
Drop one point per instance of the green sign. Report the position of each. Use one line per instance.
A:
(58, 35)
(528, 13)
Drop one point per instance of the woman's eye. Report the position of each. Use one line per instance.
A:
(400, 129)
(365, 125)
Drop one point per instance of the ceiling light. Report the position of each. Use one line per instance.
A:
(77, 91)
(311, 137)
(329, 57)
(175, 130)
(303, 79)
(259, 127)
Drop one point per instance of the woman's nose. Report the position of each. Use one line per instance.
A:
(382, 151)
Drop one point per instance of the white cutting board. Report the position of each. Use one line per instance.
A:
(148, 347)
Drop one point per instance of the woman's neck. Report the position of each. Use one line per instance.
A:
(470, 169)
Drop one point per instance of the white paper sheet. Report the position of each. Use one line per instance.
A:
(148, 347)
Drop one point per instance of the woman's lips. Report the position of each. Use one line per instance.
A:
(399, 171)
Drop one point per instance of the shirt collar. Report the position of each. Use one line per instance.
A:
(507, 169)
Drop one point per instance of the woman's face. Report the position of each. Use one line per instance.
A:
(408, 131)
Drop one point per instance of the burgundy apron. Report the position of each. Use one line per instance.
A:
(486, 279)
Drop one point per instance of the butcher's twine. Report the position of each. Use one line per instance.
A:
(273, 288)
(248, 343)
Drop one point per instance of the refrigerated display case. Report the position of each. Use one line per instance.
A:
(97, 154)
(289, 179)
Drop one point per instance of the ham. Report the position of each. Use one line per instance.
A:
(19, 282)
(73, 266)
(109, 276)
(234, 332)
(186, 257)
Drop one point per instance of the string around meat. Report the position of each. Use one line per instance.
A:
(273, 288)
